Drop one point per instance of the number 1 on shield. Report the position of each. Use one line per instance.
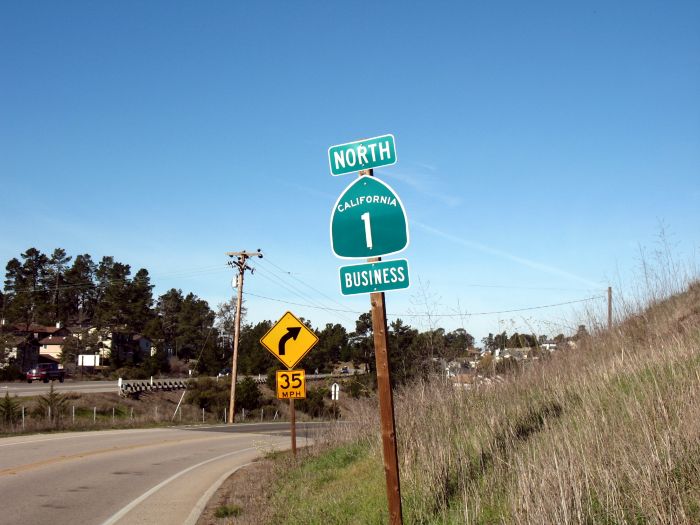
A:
(368, 229)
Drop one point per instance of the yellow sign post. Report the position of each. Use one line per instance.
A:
(291, 384)
(289, 340)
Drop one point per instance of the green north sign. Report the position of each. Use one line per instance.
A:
(362, 155)
(368, 220)
(374, 277)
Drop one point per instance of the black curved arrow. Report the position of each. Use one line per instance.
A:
(292, 333)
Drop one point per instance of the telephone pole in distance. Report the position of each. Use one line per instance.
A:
(238, 259)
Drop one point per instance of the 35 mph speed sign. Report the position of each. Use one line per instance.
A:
(291, 384)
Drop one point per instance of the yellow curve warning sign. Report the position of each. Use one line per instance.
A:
(289, 340)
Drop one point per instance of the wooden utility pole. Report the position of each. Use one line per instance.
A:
(610, 308)
(240, 263)
(386, 400)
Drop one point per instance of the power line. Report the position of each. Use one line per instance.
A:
(305, 294)
(515, 287)
(306, 284)
(540, 307)
(277, 281)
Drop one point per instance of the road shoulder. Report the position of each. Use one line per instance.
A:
(245, 493)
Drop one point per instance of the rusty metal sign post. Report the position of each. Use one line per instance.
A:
(386, 408)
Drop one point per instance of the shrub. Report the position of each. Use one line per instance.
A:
(52, 405)
(11, 372)
(248, 394)
(360, 385)
(314, 404)
(209, 394)
(9, 409)
(226, 511)
(507, 365)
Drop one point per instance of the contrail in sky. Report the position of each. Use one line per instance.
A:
(500, 253)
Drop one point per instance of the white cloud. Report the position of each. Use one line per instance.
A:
(424, 182)
(552, 270)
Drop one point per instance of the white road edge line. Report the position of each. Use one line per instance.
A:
(125, 510)
(202, 503)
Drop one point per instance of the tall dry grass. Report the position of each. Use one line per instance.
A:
(608, 432)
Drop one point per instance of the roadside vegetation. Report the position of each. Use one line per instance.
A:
(204, 402)
(607, 432)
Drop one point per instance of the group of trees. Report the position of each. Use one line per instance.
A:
(79, 293)
(502, 341)
(46, 289)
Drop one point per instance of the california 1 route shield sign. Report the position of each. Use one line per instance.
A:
(368, 220)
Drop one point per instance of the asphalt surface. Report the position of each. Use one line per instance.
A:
(143, 476)
(38, 388)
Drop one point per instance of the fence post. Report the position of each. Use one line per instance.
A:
(22, 417)
(74, 414)
(131, 415)
(243, 414)
(113, 415)
(49, 407)
(225, 420)
(94, 414)
(202, 415)
(262, 413)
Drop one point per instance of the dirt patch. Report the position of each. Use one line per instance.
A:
(246, 491)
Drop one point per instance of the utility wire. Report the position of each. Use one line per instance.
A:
(277, 281)
(306, 284)
(431, 315)
(298, 292)
(515, 287)
(191, 272)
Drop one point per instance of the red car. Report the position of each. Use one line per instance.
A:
(45, 372)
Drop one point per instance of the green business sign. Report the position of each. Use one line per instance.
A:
(374, 277)
(368, 220)
(362, 155)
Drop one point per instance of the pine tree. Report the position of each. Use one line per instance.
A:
(112, 296)
(23, 285)
(167, 311)
(139, 302)
(81, 293)
(9, 409)
(55, 280)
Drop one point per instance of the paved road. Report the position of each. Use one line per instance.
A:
(146, 476)
(38, 388)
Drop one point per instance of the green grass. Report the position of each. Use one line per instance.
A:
(228, 511)
(343, 485)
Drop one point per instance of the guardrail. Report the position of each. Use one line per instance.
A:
(136, 388)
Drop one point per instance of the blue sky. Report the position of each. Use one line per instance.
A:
(539, 145)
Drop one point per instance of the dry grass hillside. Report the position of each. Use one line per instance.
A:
(607, 433)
